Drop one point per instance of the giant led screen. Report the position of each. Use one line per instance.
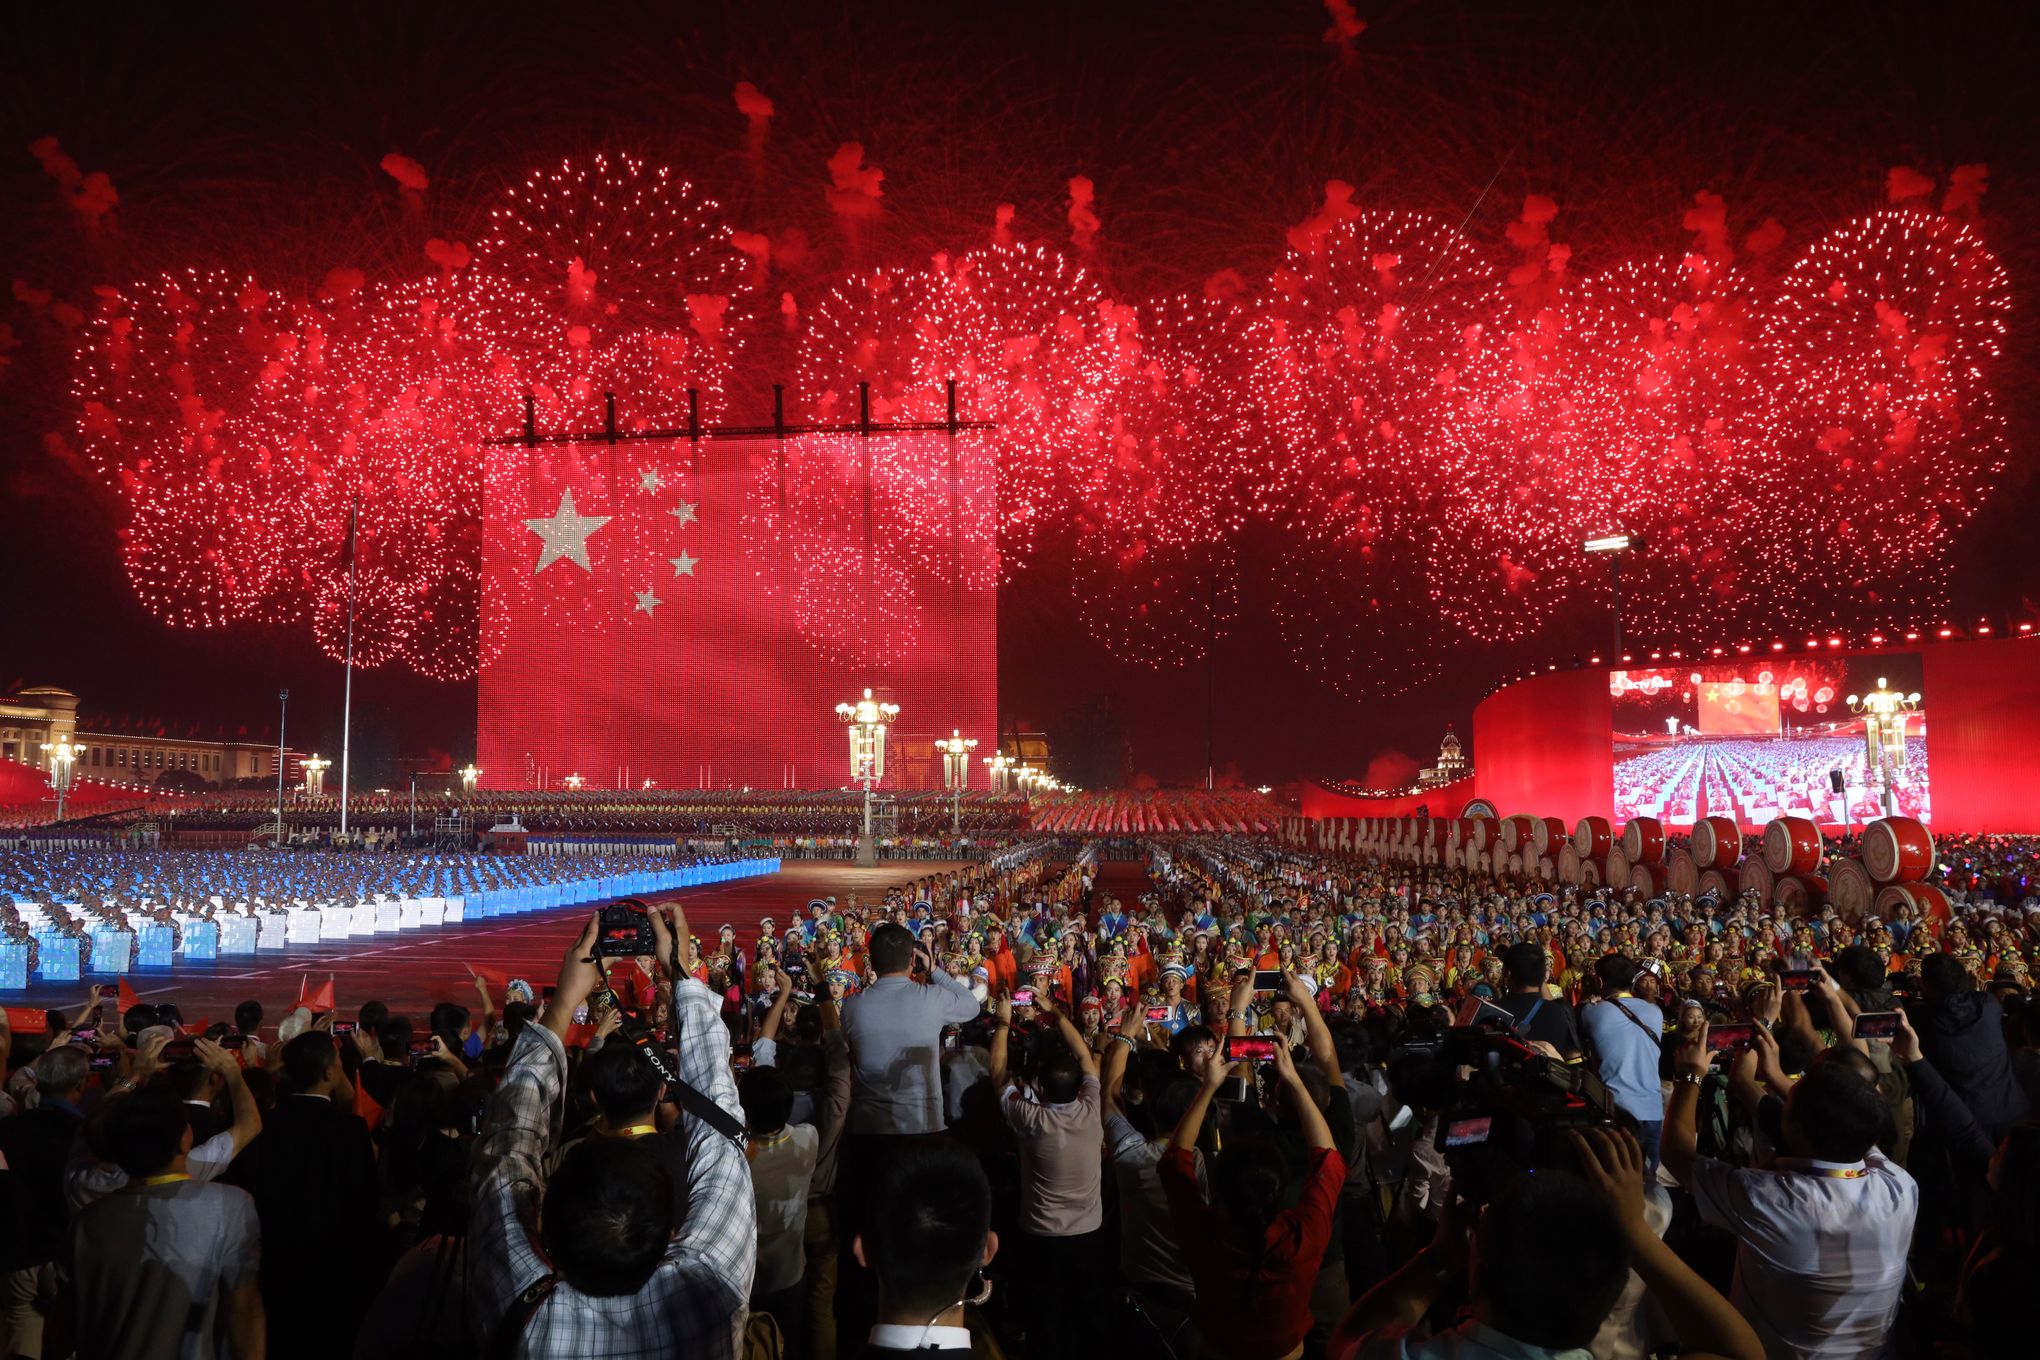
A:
(687, 615)
(1768, 737)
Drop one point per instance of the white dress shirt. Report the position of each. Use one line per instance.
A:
(1820, 1249)
(899, 1337)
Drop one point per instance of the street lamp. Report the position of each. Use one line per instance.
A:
(1612, 546)
(956, 749)
(315, 775)
(469, 775)
(62, 756)
(867, 721)
(999, 772)
(1884, 712)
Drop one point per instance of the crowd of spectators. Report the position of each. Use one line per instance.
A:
(1282, 1104)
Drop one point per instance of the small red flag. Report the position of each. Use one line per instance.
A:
(316, 1000)
(127, 996)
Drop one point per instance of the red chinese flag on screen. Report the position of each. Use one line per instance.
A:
(691, 614)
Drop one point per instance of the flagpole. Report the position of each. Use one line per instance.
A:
(282, 719)
(347, 693)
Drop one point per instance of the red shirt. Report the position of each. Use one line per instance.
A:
(1268, 1314)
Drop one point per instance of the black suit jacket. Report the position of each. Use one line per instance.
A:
(312, 1173)
(206, 1121)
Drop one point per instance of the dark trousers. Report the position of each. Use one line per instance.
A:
(1061, 1290)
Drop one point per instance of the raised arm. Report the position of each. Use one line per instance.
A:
(1184, 1139)
(1117, 1052)
(1238, 1018)
(1072, 1036)
(719, 1220)
(1966, 1140)
(1706, 1324)
(1681, 1141)
(508, 1171)
(1001, 1029)
(784, 985)
(959, 1006)
(1317, 1034)
(1316, 1132)
(247, 1117)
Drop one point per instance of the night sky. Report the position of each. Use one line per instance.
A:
(250, 136)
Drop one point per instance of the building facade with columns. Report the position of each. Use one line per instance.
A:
(44, 715)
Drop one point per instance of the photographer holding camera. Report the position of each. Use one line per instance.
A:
(610, 1256)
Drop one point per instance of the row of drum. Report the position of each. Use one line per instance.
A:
(1789, 870)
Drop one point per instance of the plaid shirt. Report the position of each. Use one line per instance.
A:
(694, 1304)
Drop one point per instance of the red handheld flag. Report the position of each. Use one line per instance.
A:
(319, 999)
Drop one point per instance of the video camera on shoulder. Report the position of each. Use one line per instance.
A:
(1510, 1112)
(625, 931)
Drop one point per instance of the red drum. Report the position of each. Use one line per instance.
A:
(1851, 889)
(1547, 868)
(1592, 837)
(1648, 879)
(1682, 876)
(1483, 833)
(1568, 864)
(1792, 845)
(1799, 894)
(1518, 833)
(1927, 901)
(1592, 875)
(1515, 865)
(1546, 836)
(1436, 831)
(1643, 840)
(1616, 868)
(1897, 850)
(1756, 876)
(1721, 883)
(1717, 843)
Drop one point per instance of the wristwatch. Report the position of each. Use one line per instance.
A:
(1687, 1079)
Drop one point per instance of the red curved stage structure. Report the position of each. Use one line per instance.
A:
(1755, 737)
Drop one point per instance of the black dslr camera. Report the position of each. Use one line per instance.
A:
(625, 932)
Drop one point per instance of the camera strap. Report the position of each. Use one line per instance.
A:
(689, 1098)
(1631, 1017)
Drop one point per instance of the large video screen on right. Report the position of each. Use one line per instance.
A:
(1765, 738)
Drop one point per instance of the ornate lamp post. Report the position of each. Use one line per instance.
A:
(866, 721)
(1884, 713)
(470, 774)
(62, 757)
(999, 772)
(956, 749)
(315, 775)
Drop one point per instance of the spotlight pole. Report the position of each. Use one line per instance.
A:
(282, 720)
(1612, 546)
(347, 694)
